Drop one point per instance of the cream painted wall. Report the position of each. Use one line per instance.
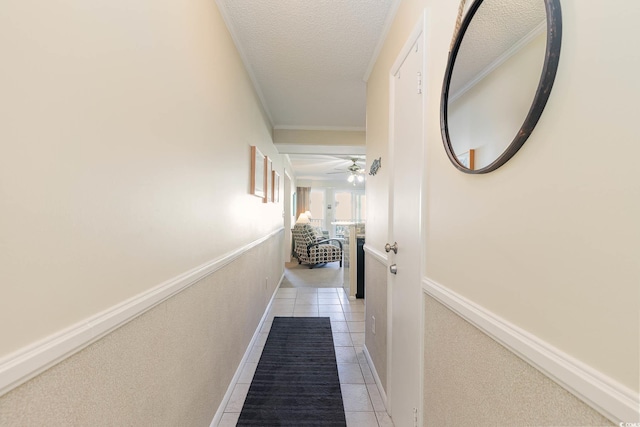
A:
(488, 116)
(319, 137)
(125, 135)
(170, 366)
(550, 241)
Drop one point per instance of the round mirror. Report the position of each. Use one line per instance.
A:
(500, 72)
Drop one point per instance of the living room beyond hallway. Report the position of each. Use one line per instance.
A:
(301, 276)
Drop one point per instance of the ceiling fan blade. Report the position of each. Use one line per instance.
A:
(352, 157)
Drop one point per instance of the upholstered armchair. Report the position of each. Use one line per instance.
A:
(312, 250)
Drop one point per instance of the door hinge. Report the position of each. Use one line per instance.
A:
(419, 82)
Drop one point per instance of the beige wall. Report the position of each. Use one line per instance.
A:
(550, 241)
(126, 133)
(376, 307)
(469, 379)
(125, 136)
(319, 137)
(169, 367)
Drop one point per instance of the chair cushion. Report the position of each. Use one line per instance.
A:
(308, 233)
(319, 234)
(325, 253)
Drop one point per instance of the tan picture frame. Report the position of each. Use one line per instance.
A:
(269, 187)
(275, 187)
(258, 173)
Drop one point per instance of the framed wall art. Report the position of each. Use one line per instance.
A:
(275, 186)
(258, 173)
(269, 186)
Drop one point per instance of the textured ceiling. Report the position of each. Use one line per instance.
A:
(309, 58)
(496, 28)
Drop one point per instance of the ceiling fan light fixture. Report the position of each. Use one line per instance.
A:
(360, 178)
(351, 178)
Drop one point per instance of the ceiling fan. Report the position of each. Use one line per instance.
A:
(354, 170)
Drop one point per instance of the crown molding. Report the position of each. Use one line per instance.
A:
(383, 37)
(247, 65)
(539, 29)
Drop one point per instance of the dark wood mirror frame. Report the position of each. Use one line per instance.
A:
(552, 55)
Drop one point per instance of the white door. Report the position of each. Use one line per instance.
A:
(404, 290)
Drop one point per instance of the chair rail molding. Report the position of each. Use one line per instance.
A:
(379, 256)
(605, 395)
(30, 361)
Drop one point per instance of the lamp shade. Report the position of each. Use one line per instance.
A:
(303, 219)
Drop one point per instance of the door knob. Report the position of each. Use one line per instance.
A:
(393, 247)
(393, 269)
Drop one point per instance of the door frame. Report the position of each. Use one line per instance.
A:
(419, 31)
(286, 213)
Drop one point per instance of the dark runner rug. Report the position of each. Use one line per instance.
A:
(296, 382)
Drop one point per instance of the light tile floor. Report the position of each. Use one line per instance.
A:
(363, 403)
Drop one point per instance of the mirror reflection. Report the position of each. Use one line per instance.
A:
(494, 79)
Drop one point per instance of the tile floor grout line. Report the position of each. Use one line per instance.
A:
(366, 401)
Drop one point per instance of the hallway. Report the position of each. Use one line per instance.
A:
(304, 293)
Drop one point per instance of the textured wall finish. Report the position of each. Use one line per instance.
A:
(469, 379)
(170, 366)
(376, 305)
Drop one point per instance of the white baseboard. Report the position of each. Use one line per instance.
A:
(381, 389)
(223, 404)
(220, 412)
(28, 362)
(610, 398)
